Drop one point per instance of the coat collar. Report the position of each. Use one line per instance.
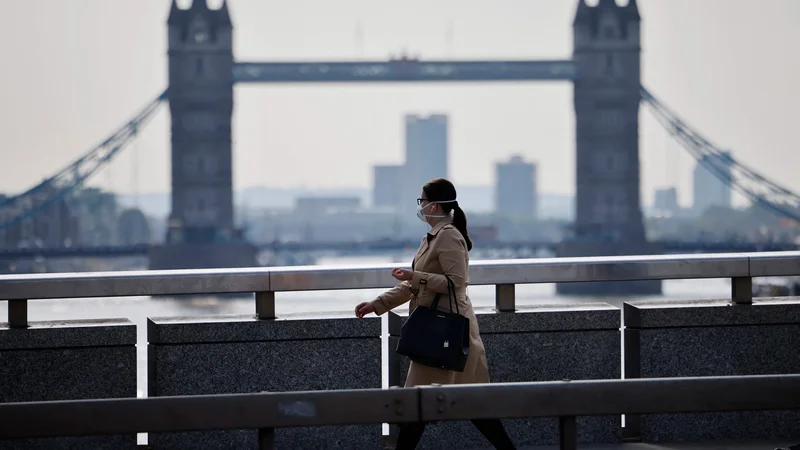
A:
(438, 227)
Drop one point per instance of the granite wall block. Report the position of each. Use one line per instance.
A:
(546, 343)
(217, 355)
(68, 360)
(713, 338)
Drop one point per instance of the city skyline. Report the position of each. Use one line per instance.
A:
(81, 103)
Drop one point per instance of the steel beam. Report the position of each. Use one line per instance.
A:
(402, 70)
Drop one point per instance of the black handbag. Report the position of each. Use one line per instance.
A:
(436, 338)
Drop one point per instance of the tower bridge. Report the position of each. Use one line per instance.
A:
(604, 69)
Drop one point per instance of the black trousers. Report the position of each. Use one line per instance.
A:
(491, 429)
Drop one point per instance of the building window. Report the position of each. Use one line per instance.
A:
(199, 121)
(200, 37)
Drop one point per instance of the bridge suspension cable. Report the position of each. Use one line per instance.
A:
(753, 185)
(28, 204)
(756, 187)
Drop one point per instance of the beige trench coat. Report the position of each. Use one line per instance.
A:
(442, 251)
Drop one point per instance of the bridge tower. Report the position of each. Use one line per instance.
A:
(201, 231)
(201, 104)
(608, 216)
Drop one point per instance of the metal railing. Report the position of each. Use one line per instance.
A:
(268, 411)
(504, 274)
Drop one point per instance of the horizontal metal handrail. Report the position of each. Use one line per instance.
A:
(564, 399)
(207, 412)
(504, 274)
(611, 397)
(310, 278)
(133, 283)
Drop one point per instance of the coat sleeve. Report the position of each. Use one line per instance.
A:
(392, 298)
(451, 250)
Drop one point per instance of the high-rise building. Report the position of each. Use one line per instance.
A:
(426, 154)
(667, 200)
(709, 189)
(387, 184)
(515, 188)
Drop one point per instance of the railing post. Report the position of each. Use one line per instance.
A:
(632, 358)
(504, 299)
(266, 439)
(742, 290)
(395, 368)
(18, 313)
(265, 305)
(568, 433)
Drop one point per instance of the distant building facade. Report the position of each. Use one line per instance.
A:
(96, 213)
(709, 189)
(52, 227)
(515, 188)
(666, 201)
(133, 227)
(426, 158)
(326, 205)
(387, 182)
(426, 154)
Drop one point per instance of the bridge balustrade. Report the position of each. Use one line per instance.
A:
(216, 355)
(268, 411)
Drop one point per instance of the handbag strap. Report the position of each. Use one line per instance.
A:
(451, 296)
(452, 299)
(435, 302)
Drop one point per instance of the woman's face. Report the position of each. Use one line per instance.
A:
(428, 207)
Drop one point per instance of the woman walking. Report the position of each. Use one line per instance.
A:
(443, 254)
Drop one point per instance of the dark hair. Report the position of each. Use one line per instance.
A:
(441, 190)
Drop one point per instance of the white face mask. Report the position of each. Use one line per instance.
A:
(424, 217)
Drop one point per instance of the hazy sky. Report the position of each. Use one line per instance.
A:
(75, 70)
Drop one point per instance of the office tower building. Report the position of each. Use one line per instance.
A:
(387, 181)
(709, 189)
(515, 188)
(426, 154)
(667, 200)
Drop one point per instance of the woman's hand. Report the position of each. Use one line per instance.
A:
(364, 308)
(402, 274)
